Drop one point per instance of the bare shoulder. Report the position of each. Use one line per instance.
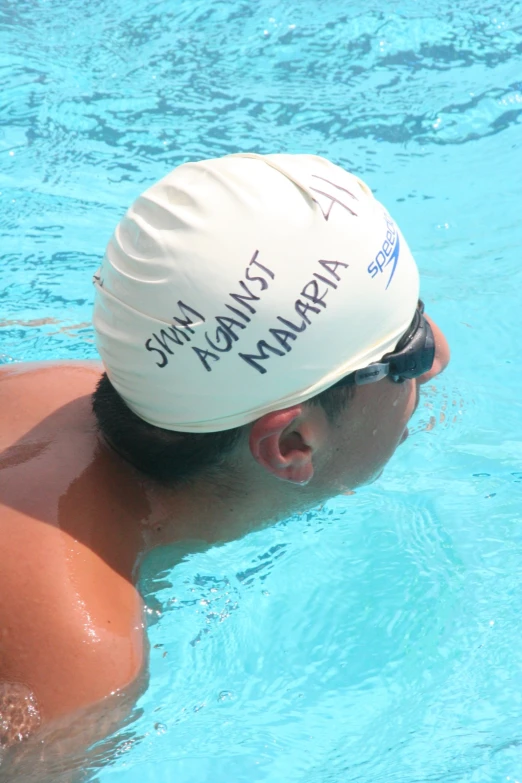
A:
(71, 629)
(47, 371)
(45, 386)
(30, 393)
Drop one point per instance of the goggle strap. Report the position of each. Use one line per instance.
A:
(374, 372)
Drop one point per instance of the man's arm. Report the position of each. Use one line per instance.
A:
(72, 748)
(65, 659)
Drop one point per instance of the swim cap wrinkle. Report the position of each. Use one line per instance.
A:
(245, 284)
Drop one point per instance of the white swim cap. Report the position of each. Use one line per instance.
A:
(246, 284)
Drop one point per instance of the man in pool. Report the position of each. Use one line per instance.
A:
(263, 345)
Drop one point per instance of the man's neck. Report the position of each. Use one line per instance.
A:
(192, 516)
(202, 513)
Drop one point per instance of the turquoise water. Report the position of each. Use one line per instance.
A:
(378, 639)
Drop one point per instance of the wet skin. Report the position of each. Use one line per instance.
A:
(76, 519)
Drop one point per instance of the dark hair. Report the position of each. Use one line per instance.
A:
(173, 457)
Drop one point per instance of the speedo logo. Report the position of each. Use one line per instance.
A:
(386, 259)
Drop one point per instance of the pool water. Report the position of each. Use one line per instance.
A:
(376, 640)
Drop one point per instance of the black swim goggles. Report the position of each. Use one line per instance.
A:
(412, 357)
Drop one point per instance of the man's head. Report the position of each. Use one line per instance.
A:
(175, 458)
(336, 441)
(233, 297)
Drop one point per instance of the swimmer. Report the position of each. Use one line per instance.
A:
(262, 344)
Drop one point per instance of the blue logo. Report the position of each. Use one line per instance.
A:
(388, 254)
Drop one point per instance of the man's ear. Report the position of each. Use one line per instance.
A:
(283, 445)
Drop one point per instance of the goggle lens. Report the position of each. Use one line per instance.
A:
(415, 351)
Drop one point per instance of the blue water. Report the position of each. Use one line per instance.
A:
(376, 640)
